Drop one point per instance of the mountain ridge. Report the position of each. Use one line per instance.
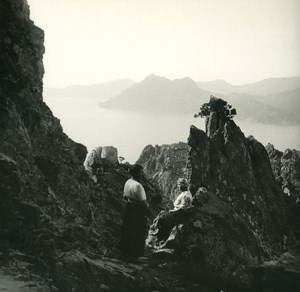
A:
(160, 94)
(102, 91)
(156, 93)
(266, 86)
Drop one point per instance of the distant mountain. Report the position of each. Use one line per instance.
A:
(159, 94)
(264, 87)
(218, 86)
(254, 108)
(102, 91)
(289, 100)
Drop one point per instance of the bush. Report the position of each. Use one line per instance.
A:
(224, 110)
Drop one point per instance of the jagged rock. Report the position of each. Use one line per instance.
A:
(165, 164)
(239, 171)
(240, 215)
(211, 124)
(286, 168)
(48, 203)
(275, 159)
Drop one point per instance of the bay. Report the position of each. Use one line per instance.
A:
(86, 123)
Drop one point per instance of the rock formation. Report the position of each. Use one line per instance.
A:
(164, 165)
(45, 191)
(286, 169)
(48, 204)
(240, 215)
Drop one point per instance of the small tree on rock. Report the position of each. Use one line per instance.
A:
(224, 110)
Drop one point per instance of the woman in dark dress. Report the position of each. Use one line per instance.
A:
(133, 234)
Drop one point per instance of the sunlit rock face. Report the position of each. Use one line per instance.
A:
(164, 165)
(286, 169)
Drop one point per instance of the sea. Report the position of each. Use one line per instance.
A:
(87, 123)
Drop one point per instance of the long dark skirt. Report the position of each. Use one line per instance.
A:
(133, 233)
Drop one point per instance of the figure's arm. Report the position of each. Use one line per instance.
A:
(146, 207)
(141, 196)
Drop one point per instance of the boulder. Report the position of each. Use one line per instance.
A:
(110, 153)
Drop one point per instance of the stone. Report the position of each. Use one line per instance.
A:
(110, 153)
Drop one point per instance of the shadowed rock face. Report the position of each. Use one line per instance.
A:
(240, 216)
(48, 203)
(238, 170)
(43, 167)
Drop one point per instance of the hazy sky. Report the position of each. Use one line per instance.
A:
(95, 41)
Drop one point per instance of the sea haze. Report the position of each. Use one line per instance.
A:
(86, 123)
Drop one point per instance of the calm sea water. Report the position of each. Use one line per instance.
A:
(86, 123)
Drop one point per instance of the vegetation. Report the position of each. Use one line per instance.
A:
(224, 110)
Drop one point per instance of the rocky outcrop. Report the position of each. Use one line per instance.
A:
(238, 170)
(240, 216)
(43, 179)
(48, 203)
(164, 165)
(286, 168)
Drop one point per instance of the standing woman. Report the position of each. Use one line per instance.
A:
(133, 234)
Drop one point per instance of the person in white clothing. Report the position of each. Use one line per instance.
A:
(166, 220)
(133, 234)
(134, 191)
(184, 199)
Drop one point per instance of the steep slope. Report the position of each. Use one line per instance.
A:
(286, 168)
(53, 217)
(159, 94)
(44, 187)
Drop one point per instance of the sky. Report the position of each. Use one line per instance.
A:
(97, 41)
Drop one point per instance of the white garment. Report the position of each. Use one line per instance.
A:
(183, 201)
(134, 191)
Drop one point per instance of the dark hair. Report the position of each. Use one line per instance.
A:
(135, 170)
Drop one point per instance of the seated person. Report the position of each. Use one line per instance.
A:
(184, 199)
(165, 221)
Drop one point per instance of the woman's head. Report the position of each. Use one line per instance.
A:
(136, 171)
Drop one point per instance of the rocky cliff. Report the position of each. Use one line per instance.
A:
(164, 165)
(49, 206)
(286, 169)
(45, 191)
(240, 218)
